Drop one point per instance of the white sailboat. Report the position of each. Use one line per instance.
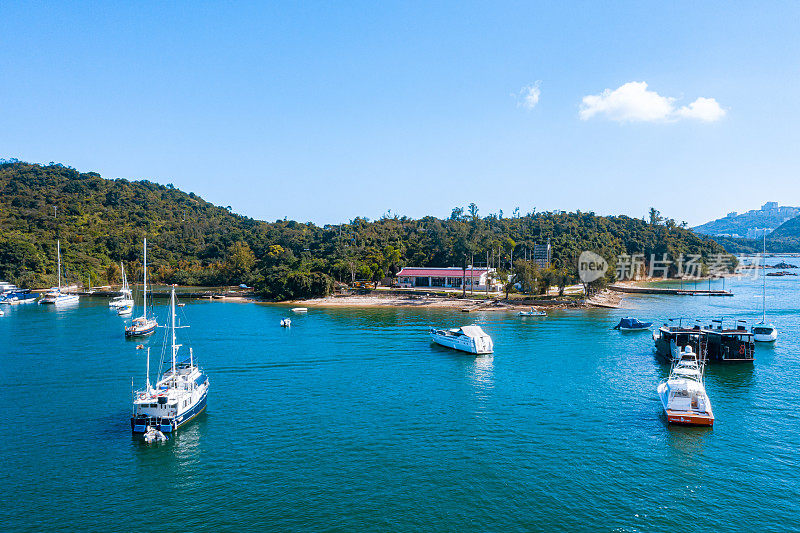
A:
(125, 298)
(179, 394)
(142, 325)
(55, 296)
(764, 332)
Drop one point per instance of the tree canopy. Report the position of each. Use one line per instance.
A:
(193, 242)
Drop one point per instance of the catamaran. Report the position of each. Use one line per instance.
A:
(55, 295)
(125, 298)
(142, 325)
(683, 394)
(179, 394)
(763, 332)
(471, 339)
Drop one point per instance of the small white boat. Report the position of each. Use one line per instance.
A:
(764, 332)
(143, 325)
(55, 296)
(152, 435)
(683, 394)
(533, 312)
(286, 322)
(125, 296)
(470, 339)
(125, 310)
(2, 312)
(299, 309)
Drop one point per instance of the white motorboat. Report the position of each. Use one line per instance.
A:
(57, 296)
(533, 312)
(143, 325)
(179, 394)
(286, 322)
(125, 297)
(299, 309)
(683, 393)
(764, 332)
(470, 339)
(2, 312)
(125, 310)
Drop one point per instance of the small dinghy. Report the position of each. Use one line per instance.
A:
(533, 312)
(299, 309)
(470, 339)
(152, 435)
(286, 322)
(632, 324)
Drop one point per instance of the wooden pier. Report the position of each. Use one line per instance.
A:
(673, 291)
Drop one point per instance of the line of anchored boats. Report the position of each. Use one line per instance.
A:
(687, 349)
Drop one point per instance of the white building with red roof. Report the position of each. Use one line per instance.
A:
(474, 278)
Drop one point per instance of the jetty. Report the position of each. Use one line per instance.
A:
(672, 291)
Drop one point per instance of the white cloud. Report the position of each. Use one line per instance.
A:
(705, 109)
(529, 96)
(633, 102)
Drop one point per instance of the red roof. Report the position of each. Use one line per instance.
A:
(453, 272)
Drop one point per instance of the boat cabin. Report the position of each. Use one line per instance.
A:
(671, 340)
(729, 345)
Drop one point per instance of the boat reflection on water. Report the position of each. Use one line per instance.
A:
(483, 372)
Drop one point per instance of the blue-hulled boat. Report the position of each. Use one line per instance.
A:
(632, 324)
(179, 394)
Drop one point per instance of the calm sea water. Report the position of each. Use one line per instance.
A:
(351, 420)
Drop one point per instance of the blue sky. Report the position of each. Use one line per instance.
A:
(322, 112)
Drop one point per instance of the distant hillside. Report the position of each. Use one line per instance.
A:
(194, 242)
(784, 239)
(751, 224)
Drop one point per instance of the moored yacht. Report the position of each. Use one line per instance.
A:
(18, 296)
(179, 393)
(125, 297)
(632, 324)
(142, 325)
(470, 339)
(763, 331)
(56, 295)
(683, 393)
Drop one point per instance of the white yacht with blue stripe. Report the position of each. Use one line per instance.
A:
(179, 394)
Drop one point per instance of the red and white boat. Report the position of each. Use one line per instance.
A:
(683, 393)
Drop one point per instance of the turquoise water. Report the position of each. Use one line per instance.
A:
(352, 420)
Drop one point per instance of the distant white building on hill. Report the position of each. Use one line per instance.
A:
(474, 278)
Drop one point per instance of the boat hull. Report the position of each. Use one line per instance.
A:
(139, 332)
(684, 418)
(689, 419)
(463, 344)
(64, 299)
(168, 425)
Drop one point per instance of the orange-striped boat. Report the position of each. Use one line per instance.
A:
(683, 393)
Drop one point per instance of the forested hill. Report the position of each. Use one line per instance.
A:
(191, 241)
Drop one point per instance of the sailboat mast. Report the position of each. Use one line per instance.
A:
(144, 300)
(172, 313)
(764, 283)
(147, 380)
(58, 253)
